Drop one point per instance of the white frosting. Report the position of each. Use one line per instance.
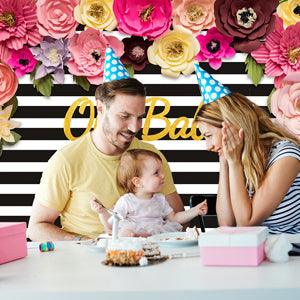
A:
(126, 245)
(143, 261)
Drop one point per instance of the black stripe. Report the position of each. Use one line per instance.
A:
(171, 156)
(27, 200)
(60, 111)
(152, 90)
(179, 177)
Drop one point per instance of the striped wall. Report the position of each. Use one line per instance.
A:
(195, 170)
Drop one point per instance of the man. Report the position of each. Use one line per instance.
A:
(86, 168)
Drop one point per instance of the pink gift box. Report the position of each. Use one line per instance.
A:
(13, 243)
(233, 246)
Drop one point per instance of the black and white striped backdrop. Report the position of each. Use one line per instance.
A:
(195, 170)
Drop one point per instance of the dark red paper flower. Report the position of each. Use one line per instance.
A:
(135, 52)
(247, 21)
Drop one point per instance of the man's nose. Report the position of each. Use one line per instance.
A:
(134, 125)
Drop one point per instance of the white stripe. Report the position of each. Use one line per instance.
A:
(175, 167)
(57, 144)
(181, 188)
(190, 79)
(15, 211)
(69, 100)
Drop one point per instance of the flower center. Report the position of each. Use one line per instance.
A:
(96, 55)
(246, 17)
(213, 46)
(53, 56)
(146, 13)
(174, 49)
(138, 52)
(296, 10)
(9, 19)
(96, 11)
(23, 62)
(194, 13)
(294, 55)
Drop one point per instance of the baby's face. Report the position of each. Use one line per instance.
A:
(152, 178)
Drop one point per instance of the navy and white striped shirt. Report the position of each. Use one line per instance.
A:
(286, 217)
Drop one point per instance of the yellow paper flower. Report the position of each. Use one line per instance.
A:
(289, 12)
(6, 125)
(174, 52)
(96, 14)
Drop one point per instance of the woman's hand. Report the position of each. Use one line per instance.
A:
(232, 142)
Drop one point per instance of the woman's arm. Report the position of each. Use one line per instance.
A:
(223, 205)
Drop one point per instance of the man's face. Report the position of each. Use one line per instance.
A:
(123, 119)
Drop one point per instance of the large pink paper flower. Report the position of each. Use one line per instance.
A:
(8, 83)
(285, 103)
(214, 46)
(17, 26)
(22, 61)
(88, 54)
(56, 18)
(281, 52)
(149, 18)
(194, 15)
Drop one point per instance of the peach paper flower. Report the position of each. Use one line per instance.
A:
(6, 125)
(8, 83)
(285, 103)
(194, 15)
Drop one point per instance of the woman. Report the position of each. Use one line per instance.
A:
(259, 165)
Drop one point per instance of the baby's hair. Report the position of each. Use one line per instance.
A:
(131, 165)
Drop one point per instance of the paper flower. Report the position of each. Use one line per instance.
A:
(149, 18)
(174, 52)
(56, 18)
(247, 21)
(6, 125)
(96, 14)
(135, 52)
(22, 61)
(53, 54)
(285, 103)
(214, 46)
(8, 83)
(281, 52)
(88, 54)
(194, 15)
(289, 12)
(17, 26)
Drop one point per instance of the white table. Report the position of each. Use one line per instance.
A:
(75, 272)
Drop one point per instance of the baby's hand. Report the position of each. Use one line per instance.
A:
(202, 208)
(97, 206)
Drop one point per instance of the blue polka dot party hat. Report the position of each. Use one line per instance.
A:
(113, 68)
(211, 89)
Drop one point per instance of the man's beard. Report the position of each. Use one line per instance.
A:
(109, 134)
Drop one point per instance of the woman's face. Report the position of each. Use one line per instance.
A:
(213, 137)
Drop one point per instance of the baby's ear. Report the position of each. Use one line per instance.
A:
(136, 181)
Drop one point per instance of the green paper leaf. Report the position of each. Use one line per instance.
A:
(13, 101)
(254, 70)
(16, 136)
(44, 85)
(1, 148)
(269, 102)
(130, 70)
(32, 74)
(82, 81)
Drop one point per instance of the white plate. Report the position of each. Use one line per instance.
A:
(173, 239)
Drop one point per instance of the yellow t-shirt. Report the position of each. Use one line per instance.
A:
(79, 171)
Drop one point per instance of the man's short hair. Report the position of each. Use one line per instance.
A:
(107, 91)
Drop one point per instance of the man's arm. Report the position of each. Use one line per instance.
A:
(41, 225)
(175, 202)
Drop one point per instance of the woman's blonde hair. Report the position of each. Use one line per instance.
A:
(131, 165)
(259, 132)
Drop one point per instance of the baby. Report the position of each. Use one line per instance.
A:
(143, 210)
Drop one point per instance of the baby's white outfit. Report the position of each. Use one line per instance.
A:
(145, 215)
